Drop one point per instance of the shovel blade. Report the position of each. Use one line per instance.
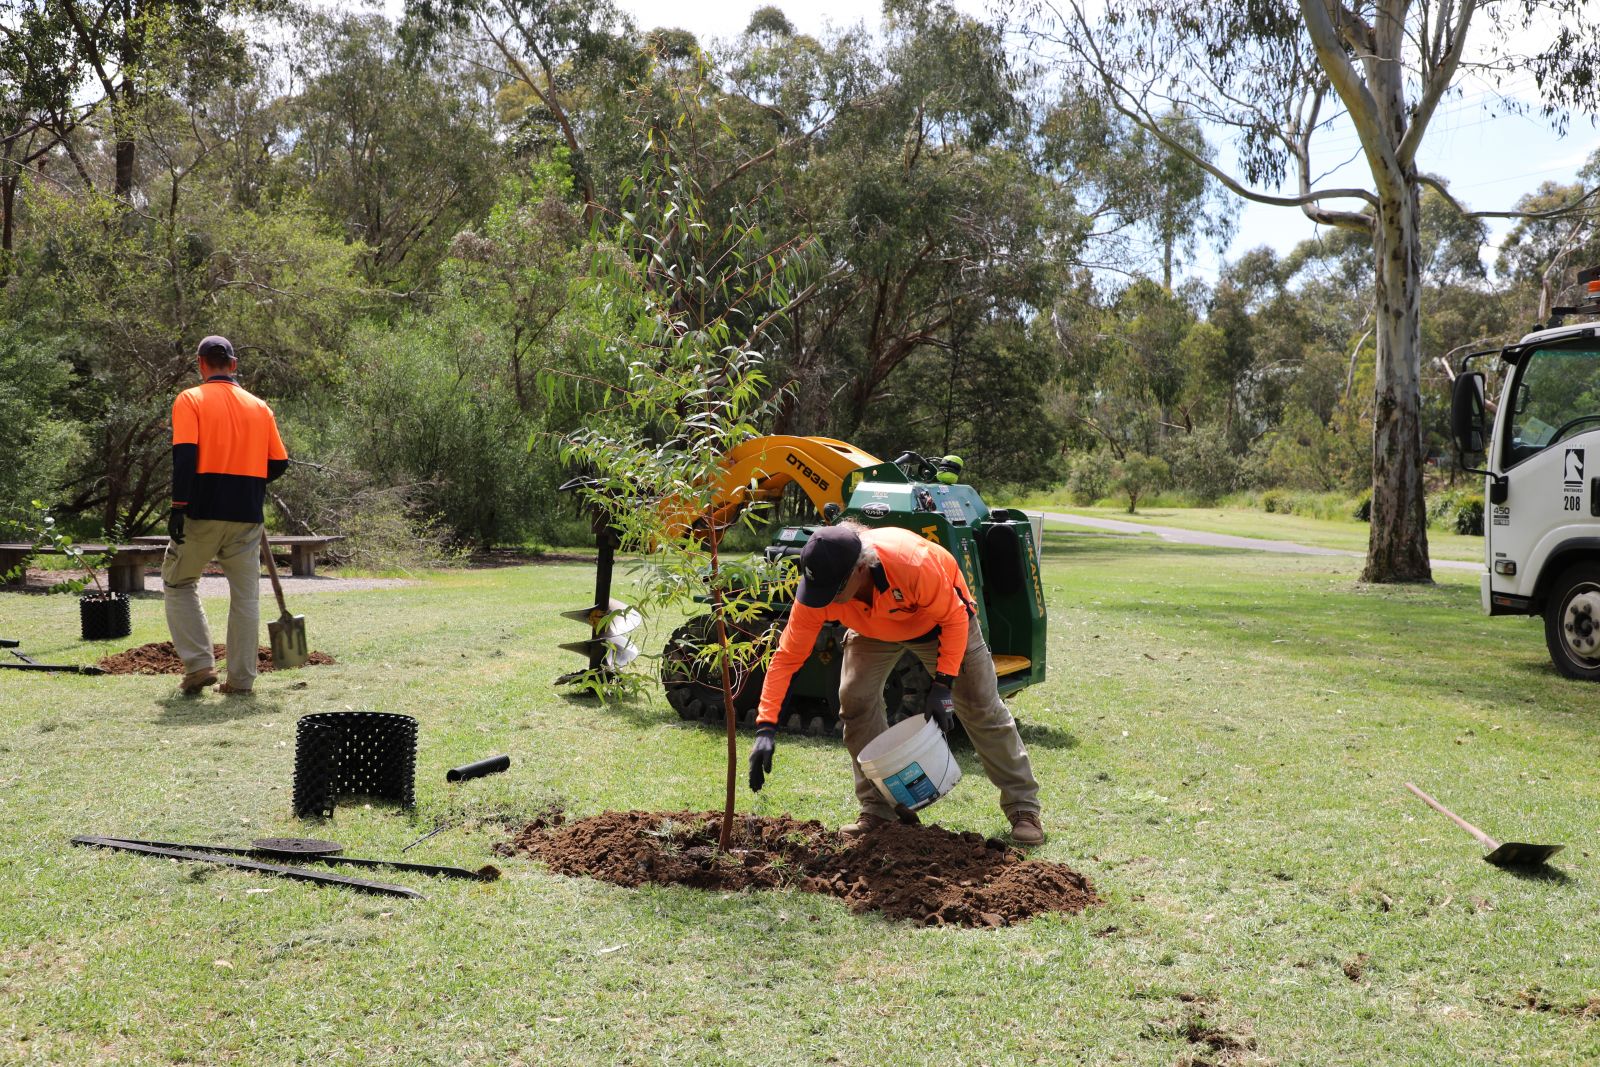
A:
(288, 637)
(1522, 856)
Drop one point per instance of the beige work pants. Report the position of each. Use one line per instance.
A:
(867, 665)
(236, 546)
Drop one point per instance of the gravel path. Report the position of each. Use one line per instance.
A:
(217, 585)
(1216, 540)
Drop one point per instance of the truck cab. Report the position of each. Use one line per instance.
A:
(1541, 468)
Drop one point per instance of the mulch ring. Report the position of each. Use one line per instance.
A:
(161, 658)
(926, 874)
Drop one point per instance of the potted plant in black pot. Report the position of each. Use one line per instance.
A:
(102, 614)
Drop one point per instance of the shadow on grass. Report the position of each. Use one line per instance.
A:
(637, 711)
(1551, 875)
(208, 709)
(1043, 736)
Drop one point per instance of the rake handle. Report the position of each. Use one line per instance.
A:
(272, 569)
(1483, 838)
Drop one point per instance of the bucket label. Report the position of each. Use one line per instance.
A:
(909, 786)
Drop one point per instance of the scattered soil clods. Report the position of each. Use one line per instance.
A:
(925, 874)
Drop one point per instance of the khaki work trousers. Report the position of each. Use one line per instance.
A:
(236, 546)
(867, 665)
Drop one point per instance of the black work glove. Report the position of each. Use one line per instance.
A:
(175, 525)
(940, 705)
(761, 758)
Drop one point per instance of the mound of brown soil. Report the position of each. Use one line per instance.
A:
(923, 873)
(162, 658)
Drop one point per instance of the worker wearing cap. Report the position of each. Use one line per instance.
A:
(225, 449)
(897, 592)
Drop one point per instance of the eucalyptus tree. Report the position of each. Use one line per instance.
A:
(928, 201)
(402, 153)
(1281, 75)
(556, 52)
(37, 109)
(131, 52)
(1540, 248)
(1148, 207)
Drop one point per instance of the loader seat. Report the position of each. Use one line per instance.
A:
(1000, 552)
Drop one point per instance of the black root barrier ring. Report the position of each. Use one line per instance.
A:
(353, 753)
(104, 616)
(492, 765)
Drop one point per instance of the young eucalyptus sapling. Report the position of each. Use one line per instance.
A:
(687, 297)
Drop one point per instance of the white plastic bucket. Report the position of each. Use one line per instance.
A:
(910, 763)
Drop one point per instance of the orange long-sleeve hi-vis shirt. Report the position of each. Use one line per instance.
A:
(225, 449)
(918, 588)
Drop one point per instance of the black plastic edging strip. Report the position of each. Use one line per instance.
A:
(298, 873)
(353, 861)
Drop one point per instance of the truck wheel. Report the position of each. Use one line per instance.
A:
(1572, 622)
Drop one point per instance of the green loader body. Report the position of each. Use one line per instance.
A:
(996, 552)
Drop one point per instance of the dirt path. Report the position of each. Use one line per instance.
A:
(1216, 540)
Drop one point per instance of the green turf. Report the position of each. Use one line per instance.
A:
(1350, 536)
(1221, 745)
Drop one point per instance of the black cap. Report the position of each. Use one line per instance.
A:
(825, 565)
(215, 349)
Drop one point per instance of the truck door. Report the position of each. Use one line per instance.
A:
(1548, 447)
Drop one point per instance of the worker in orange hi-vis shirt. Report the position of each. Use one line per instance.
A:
(897, 592)
(225, 449)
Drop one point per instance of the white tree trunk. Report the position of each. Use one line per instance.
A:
(1397, 548)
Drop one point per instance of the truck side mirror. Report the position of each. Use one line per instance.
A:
(1466, 413)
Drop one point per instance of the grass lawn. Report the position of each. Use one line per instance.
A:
(1350, 536)
(1221, 745)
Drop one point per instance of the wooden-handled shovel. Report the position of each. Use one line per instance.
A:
(288, 633)
(1515, 854)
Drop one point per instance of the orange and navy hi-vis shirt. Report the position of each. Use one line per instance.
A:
(225, 449)
(916, 592)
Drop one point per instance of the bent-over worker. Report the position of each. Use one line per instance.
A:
(895, 592)
(225, 449)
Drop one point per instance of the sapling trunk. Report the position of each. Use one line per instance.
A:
(92, 572)
(725, 838)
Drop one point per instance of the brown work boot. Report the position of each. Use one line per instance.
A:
(195, 681)
(864, 822)
(229, 689)
(1026, 829)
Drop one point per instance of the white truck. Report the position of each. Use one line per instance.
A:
(1542, 480)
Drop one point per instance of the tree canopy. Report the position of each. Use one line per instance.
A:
(411, 228)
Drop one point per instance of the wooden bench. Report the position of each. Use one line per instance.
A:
(303, 549)
(124, 571)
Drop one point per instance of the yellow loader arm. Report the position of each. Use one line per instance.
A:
(761, 468)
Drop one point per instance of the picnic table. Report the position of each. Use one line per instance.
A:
(124, 571)
(303, 549)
